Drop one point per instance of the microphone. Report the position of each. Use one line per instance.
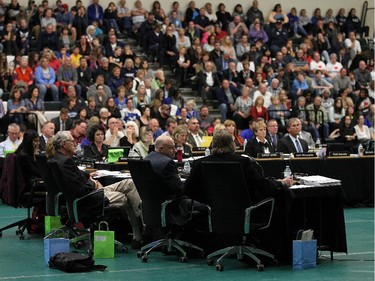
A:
(137, 152)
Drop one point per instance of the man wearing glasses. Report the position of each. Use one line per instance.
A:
(12, 141)
(80, 184)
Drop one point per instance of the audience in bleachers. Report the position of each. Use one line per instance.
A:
(269, 64)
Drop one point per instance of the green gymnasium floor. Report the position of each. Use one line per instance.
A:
(23, 260)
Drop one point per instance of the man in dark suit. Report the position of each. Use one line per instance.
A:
(166, 169)
(80, 184)
(292, 143)
(48, 130)
(223, 150)
(273, 135)
(63, 122)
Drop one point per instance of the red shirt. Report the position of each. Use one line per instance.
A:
(25, 75)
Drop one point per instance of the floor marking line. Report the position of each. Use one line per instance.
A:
(108, 271)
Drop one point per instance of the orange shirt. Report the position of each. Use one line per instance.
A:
(26, 75)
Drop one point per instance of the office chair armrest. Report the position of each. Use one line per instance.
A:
(58, 198)
(249, 210)
(76, 201)
(209, 218)
(163, 210)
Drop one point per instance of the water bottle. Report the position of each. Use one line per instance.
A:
(287, 172)
(244, 144)
(207, 152)
(187, 168)
(79, 150)
(360, 150)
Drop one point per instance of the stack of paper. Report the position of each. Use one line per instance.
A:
(319, 181)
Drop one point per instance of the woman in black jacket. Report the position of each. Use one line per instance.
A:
(26, 156)
(97, 150)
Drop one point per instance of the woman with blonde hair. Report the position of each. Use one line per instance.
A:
(141, 148)
(179, 136)
(141, 99)
(227, 46)
(259, 144)
(230, 126)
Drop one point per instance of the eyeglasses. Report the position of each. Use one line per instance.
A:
(73, 141)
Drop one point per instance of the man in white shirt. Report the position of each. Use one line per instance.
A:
(262, 91)
(353, 45)
(113, 135)
(12, 141)
(334, 66)
(317, 64)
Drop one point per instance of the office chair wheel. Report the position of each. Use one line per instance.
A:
(1, 234)
(144, 258)
(219, 267)
(78, 245)
(18, 232)
(260, 267)
(140, 254)
(22, 237)
(210, 262)
(184, 259)
(275, 262)
(124, 249)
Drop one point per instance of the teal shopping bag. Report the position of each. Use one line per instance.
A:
(304, 254)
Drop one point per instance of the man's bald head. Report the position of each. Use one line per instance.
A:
(165, 145)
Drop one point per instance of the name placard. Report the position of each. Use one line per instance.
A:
(307, 154)
(268, 155)
(369, 153)
(199, 148)
(339, 153)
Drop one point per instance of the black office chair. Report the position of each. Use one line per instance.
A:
(154, 207)
(14, 191)
(77, 208)
(232, 214)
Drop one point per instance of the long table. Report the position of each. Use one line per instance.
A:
(356, 174)
(317, 208)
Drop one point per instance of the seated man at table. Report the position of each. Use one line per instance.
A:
(164, 167)
(122, 193)
(292, 143)
(223, 150)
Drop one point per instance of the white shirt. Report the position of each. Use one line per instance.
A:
(267, 98)
(334, 69)
(317, 65)
(116, 140)
(357, 45)
(8, 145)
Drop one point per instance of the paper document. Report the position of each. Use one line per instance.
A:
(319, 181)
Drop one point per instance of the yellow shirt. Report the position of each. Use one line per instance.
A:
(74, 59)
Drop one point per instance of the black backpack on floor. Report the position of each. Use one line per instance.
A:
(74, 262)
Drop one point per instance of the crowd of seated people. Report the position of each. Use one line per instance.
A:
(272, 65)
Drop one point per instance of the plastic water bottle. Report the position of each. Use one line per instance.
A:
(207, 152)
(287, 172)
(187, 168)
(79, 150)
(360, 150)
(244, 144)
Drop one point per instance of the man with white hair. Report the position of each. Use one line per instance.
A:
(274, 88)
(80, 184)
(12, 141)
(262, 91)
